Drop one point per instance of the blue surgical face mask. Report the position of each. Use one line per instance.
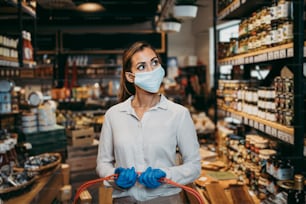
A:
(150, 81)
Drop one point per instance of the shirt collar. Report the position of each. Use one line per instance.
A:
(126, 106)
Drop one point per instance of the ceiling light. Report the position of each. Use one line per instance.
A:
(171, 25)
(91, 7)
(185, 11)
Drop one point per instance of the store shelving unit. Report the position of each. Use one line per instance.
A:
(291, 54)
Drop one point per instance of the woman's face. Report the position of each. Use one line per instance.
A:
(144, 61)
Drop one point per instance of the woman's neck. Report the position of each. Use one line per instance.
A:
(145, 100)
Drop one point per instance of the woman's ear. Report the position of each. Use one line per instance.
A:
(129, 77)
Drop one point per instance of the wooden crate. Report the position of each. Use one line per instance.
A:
(82, 158)
(81, 137)
(82, 163)
(85, 198)
(82, 151)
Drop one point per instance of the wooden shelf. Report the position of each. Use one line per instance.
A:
(241, 8)
(8, 62)
(269, 54)
(25, 8)
(274, 129)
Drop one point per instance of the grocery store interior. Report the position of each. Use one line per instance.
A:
(237, 65)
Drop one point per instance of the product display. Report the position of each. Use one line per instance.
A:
(247, 103)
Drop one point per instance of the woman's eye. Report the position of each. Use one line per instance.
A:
(155, 62)
(141, 67)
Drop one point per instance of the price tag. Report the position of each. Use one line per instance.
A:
(251, 60)
(276, 54)
(274, 132)
(241, 61)
(255, 123)
(270, 56)
(304, 51)
(282, 54)
(261, 127)
(264, 57)
(246, 121)
(246, 60)
(268, 130)
(290, 52)
(285, 137)
(251, 123)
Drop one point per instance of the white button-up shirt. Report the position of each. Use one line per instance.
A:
(126, 141)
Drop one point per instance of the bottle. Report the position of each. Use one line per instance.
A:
(297, 194)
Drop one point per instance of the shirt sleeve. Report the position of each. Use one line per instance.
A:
(188, 145)
(105, 158)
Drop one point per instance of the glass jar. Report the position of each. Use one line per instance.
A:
(273, 10)
(287, 84)
(284, 170)
(280, 34)
(274, 33)
(284, 9)
(288, 118)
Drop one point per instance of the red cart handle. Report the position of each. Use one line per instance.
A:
(114, 176)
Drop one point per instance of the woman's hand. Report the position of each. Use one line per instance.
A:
(126, 177)
(150, 178)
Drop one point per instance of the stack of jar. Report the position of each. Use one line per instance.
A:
(258, 152)
(229, 93)
(266, 27)
(249, 104)
(248, 156)
(284, 100)
(222, 4)
(266, 103)
(8, 47)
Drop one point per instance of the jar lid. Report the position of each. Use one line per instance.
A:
(267, 152)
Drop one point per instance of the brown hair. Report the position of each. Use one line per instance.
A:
(126, 88)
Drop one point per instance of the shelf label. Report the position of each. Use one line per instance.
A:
(246, 60)
(251, 60)
(245, 121)
(238, 117)
(285, 137)
(268, 130)
(251, 123)
(265, 57)
(290, 52)
(261, 127)
(282, 54)
(255, 123)
(274, 132)
(276, 54)
(270, 56)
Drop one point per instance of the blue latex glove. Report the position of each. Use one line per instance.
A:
(150, 178)
(126, 177)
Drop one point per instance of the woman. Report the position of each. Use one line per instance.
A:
(141, 134)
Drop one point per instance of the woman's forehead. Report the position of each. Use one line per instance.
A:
(146, 54)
